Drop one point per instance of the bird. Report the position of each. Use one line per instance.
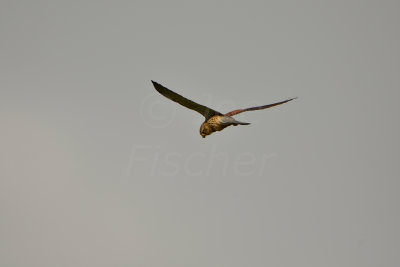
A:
(214, 120)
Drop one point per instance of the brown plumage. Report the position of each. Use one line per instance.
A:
(214, 120)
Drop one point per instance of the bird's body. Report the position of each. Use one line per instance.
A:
(214, 120)
(218, 123)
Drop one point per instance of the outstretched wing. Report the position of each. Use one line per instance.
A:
(203, 110)
(237, 111)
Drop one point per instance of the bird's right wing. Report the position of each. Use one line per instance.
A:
(203, 110)
(237, 111)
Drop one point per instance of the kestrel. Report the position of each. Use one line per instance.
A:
(214, 120)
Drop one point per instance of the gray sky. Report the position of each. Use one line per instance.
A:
(98, 169)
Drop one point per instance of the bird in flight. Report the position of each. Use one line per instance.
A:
(214, 120)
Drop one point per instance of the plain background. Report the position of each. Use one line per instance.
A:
(98, 169)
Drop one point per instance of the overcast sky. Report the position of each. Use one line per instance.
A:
(98, 169)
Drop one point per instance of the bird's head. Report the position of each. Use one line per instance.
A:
(205, 129)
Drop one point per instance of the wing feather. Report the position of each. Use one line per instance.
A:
(203, 110)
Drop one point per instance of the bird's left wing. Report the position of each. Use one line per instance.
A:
(237, 111)
(203, 110)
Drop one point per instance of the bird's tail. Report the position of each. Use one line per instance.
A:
(235, 123)
(225, 120)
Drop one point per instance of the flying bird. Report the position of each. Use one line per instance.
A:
(214, 120)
